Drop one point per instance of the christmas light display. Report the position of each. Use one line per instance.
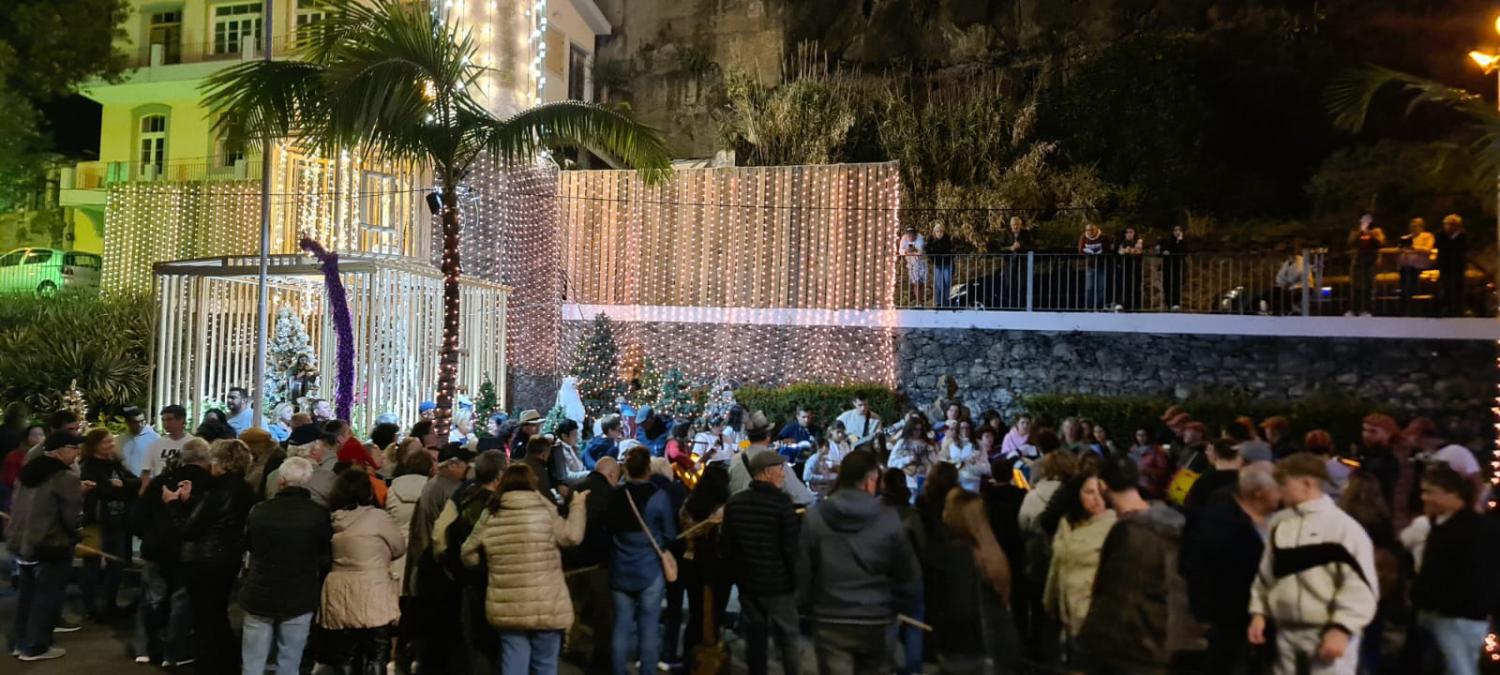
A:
(674, 395)
(596, 364)
(292, 364)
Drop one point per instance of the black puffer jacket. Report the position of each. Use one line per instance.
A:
(289, 539)
(212, 526)
(760, 540)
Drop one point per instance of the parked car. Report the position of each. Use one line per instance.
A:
(45, 271)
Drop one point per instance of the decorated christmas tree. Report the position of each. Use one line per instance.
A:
(596, 364)
(488, 402)
(73, 402)
(720, 398)
(649, 383)
(292, 367)
(554, 417)
(674, 396)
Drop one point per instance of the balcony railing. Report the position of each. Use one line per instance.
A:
(98, 175)
(1312, 282)
(161, 54)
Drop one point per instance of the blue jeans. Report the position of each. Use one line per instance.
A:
(910, 638)
(638, 624)
(290, 636)
(942, 283)
(529, 651)
(39, 604)
(1460, 640)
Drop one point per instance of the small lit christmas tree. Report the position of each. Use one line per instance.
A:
(674, 395)
(649, 383)
(554, 417)
(488, 402)
(720, 398)
(596, 364)
(73, 402)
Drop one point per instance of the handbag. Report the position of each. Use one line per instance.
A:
(668, 563)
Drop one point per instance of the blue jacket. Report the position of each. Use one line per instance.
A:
(658, 446)
(633, 563)
(599, 447)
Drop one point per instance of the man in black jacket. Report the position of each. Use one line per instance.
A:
(760, 545)
(1221, 551)
(1452, 263)
(1455, 591)
(47, 515)
(588, 565)
(289, 540)
(164, 618)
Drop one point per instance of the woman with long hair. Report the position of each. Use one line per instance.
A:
(914, 453)
(520, 537)
(105, 511)
(1075, 551)
(976, 590)
(973, 465)
(699, 567)
(360, 600)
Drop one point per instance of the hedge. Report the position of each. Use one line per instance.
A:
(1122, 415)
(102, 341)
(824, 401)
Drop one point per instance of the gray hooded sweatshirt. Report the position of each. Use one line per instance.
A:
(855, 564)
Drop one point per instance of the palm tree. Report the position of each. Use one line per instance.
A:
(1351, 95)
(393, 78)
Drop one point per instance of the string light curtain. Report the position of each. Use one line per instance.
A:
(696, 271)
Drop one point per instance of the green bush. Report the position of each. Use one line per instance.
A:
(102, 342)
(1122, 415)
(823, 400)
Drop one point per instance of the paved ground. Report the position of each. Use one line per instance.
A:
(104, 648)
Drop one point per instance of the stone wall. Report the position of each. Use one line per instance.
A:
(1451, 381)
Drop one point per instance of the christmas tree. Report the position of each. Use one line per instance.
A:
(292, 367)
(596, 364)
(73, 402)
(720, 397)
(674, 396)
(488, 402)
(554, 417)
(648, 383)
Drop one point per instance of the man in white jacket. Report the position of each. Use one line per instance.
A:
(1317, 577)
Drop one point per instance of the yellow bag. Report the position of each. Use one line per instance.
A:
(93, 538)
(1182, 483)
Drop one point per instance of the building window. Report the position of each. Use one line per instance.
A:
(309, 12)
(376, 210)
(166, 30)
(578, 74)
(153, 142)
(234, 24)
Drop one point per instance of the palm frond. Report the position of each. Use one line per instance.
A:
(267, 99)
(1351, 93)
(571, 123)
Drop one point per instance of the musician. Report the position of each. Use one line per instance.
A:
(862, 424)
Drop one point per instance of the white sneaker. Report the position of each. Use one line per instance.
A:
(1349, 313)
(143, 660)
(1366, 313)
(1176, 308)
(53, 653)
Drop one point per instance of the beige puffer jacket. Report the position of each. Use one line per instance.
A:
(401, 503)
(520, 542)
(1075, 561)
(360, 591)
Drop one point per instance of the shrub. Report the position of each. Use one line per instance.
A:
(823, 400)
(103, 342)
(1122, 415)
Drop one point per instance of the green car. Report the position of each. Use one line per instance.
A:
(45, 271)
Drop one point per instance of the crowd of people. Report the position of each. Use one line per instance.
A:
(946, 540)
(1112, 275)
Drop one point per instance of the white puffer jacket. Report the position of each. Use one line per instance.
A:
(520, 542)
(1318, 571)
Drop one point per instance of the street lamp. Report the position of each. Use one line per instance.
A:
(1490, 63)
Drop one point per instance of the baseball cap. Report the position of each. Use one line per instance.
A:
(764, 460)
(425, 406)
(62, 439)
(457, 451)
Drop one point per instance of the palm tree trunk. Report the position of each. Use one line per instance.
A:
(448, 358)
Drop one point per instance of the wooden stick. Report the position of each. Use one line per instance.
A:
(902, 618)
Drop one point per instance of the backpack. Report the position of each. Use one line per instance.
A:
(471, 505)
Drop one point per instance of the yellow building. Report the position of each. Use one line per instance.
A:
(156, 137)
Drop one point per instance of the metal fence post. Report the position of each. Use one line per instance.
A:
(1030, 278)
(1307, 282)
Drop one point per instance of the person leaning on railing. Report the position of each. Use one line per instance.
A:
(940, 250)
(1014, 243)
